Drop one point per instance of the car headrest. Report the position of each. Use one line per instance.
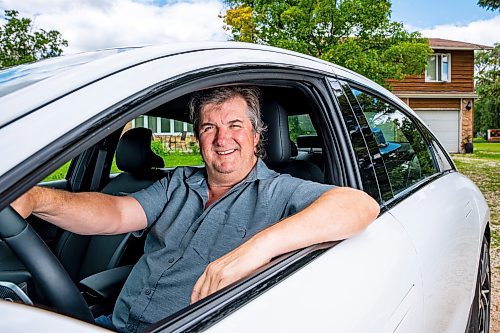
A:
(308, 141)
(277, 144)
(134, 153)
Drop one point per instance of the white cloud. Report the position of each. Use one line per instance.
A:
(95, 24)
(484, 32)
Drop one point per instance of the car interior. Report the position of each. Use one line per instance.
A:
(98, 264)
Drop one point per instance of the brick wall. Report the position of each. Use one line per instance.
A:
(467, 122)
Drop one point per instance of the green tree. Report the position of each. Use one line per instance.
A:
(357, 34)
(487, 110)
(489, 4)
(19, 44)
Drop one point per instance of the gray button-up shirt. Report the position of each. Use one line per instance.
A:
(184, 237)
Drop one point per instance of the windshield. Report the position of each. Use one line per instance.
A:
(15, 78)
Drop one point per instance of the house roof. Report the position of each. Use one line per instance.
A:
(446, 44)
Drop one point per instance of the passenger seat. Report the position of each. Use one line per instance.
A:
(279, 146)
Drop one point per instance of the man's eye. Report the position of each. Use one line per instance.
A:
(206, 128)
(235, 126)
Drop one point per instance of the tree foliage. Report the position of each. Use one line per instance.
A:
(357, 34)
(487, 110)
(19, 44)
(489, 4)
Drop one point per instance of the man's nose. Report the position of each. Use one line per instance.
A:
(222, 136)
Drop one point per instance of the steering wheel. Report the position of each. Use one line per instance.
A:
(47, 272)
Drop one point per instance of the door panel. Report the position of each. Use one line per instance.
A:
(445, 232)
(369, 283)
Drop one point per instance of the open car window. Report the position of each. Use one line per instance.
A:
(173, 140)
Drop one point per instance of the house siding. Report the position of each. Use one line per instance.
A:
(462, 73)
(435, 103)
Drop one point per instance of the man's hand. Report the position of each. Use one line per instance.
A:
(24, 204)
(230, 268)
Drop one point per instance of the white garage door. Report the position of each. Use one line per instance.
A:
(445, 125)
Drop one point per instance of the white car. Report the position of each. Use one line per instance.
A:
(422, 266)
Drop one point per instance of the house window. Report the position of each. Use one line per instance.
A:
(438, 68)
(162, 125)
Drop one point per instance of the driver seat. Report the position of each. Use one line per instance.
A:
(83, 255)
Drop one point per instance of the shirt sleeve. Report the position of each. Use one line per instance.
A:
(290, 195)
(153, 200)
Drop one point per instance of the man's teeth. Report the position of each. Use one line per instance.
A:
(226, 152)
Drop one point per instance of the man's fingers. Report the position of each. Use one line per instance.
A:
(209, 278)
(195, 295)
(214, 283)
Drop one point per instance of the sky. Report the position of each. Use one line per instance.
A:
(96, 24)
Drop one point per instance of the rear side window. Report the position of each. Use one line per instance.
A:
(406, 156)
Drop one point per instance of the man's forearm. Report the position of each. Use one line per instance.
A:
(83, 213)
(337, 214)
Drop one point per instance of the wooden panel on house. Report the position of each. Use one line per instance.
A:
(462, 77)
(435, 103)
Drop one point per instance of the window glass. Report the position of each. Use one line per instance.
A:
(178, 126)
(165, 125)
(431, 74)
(443, 162)
(139, 121)
(152, 124)
(406, 155)
(438, 68)
(444, 67)
(300, 125)
(441, 157)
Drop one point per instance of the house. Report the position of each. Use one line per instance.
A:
(444, 96)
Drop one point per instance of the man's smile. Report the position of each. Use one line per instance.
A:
(226, 152)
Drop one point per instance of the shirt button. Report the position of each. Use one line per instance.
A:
(171, 260)
(147, 291)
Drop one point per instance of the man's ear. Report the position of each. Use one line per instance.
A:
(256, 139)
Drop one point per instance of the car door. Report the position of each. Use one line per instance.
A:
(434, 206)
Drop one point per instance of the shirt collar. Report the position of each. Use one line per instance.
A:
(259, 171)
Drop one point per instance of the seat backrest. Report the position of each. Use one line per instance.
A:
(83, 256)
(310, 148)
(279, 146)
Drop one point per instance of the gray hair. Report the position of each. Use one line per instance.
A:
(219, 95)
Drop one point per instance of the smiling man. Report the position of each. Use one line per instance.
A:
(209, 227)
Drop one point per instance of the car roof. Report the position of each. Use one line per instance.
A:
(45, 81)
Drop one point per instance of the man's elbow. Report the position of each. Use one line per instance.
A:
(372, 208)
(360, 209)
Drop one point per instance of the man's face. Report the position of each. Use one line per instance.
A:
(227, 140)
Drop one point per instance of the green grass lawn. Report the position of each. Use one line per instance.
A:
(483, 168)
